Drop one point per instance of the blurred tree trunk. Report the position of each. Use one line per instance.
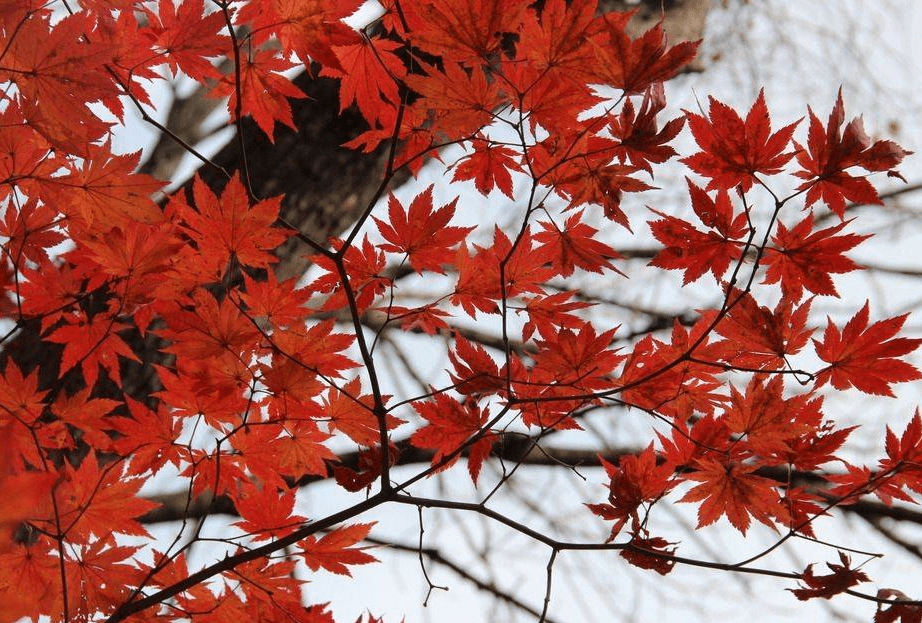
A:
(327, 186)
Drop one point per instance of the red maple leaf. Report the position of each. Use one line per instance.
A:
(866, 357)
(559, 42)
(335, 550)
(841, 579)
(547, 314)
(30, 231)
(91, 343)
(732, 489)
(758, 337)
(461, 100)
(279, 303)
(58, 72)
(26, 495)
(148, 437)
(95, 498)
(733, 151)
(478, 287)
(640, 141)
(267, 513)
(900, 470)
(263, 91)
(429, 319)
(579, 358)
(450, 425)
(574, 246)
(464, 31)
(421, 232)
(768, 420)
(364, 266)
(635, 65)
(688, 443)
(353, 414)
(187, 37)
(488, 165)
(308, 28)
(228, 226)
(697, 252)
(475, 372)
(805, 259)
(650, 553)
(905, 613)
(635, 480)
(369, 77)
(832, 150)
(104, 191)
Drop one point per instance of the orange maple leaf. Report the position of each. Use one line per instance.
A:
(334, 551)
(421, 232)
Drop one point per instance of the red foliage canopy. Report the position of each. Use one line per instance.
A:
(261, 384)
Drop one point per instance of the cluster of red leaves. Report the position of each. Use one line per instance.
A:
(263, 366)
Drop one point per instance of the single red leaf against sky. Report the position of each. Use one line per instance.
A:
(866, 357)
(640, 142)
(733, 151)
(841, 579)
(634, 65)
(450, 425)
(488, 165)
(804, 259)
(635, 480)
(650, 553)
(832, 150)
(336, 550)
(732, 489)
(421, 232)
(429, 319)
